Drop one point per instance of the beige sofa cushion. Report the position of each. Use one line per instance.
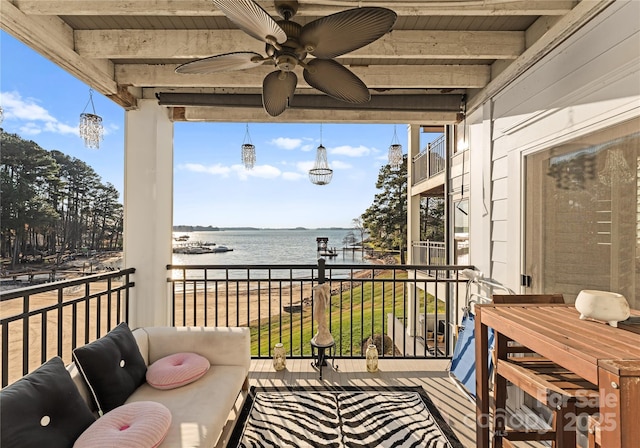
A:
(220, 345)
(199, 410)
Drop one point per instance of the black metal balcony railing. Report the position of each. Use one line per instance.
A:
(43, 321)
(405, 316)
(431, 161)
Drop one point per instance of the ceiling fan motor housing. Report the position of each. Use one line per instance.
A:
(286, 8)
(291, 52)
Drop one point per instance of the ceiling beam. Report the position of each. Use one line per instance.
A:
(381, 76)
(191, 44)
(54, 39)
(307, 7)
(258, 115)
(424, 103)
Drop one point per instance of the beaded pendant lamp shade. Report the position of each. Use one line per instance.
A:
(321, 173)
(90, 128)
(248, 151)
(395, 152)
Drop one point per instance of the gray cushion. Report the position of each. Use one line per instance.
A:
(112, 366)
(43, 408)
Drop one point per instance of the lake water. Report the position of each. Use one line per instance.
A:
(269, 246)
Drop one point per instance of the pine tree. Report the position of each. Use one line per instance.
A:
(386, 218)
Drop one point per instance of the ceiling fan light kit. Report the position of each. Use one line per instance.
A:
(288, 44)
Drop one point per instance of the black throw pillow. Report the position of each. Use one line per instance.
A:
(43, 408)
(112, 366)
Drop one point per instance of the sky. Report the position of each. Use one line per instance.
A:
(43, 103)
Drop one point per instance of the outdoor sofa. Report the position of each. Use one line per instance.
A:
(55, 406)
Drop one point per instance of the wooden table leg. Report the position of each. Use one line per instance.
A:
(619, 383)
(482, 381)
(499, 393)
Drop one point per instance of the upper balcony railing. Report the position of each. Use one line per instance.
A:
(431, 161)
(40, 322)
(429, 253)
(405, 317)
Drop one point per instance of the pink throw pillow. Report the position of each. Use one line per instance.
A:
(142, 424)
(177, 370)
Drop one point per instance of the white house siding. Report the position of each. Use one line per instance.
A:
(588, 83)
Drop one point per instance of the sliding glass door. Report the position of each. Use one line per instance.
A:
(582, 215)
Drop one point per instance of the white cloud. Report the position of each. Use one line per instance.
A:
(61, 128)
(23, 109)
(260, 171)
(216, 169)
(339, 165)
(290, 175)
(30, 129)
(351, 151)
(286, 143)
(308, 147)
(35, 117)
(305, 166)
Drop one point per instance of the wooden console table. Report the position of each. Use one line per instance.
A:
(603, 355)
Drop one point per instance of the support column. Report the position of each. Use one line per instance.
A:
(413, 222)
(148, 210)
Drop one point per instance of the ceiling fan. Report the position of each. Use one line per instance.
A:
(288, 44)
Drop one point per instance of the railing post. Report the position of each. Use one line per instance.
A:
(321, 271)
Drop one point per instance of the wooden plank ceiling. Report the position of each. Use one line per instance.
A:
(438, 54)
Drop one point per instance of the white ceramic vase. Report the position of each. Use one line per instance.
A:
(602, 305)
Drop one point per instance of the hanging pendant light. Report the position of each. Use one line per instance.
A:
(321, 173)
(395, 152)
(248, 151)
(91, 130)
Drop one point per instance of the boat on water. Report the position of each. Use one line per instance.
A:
(199, 248)
(181, 238)
(193, 247)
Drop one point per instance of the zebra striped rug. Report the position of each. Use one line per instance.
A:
(341, 417)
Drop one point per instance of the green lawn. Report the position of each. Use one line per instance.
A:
(355, 315)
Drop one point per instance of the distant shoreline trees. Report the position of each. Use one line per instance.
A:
(52, 203)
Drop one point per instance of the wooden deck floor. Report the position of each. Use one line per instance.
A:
(431, 375)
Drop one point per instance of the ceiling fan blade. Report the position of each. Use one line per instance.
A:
(277, 90)
(222, 63)
(337, 81)
(252, 19)
(345, 31)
